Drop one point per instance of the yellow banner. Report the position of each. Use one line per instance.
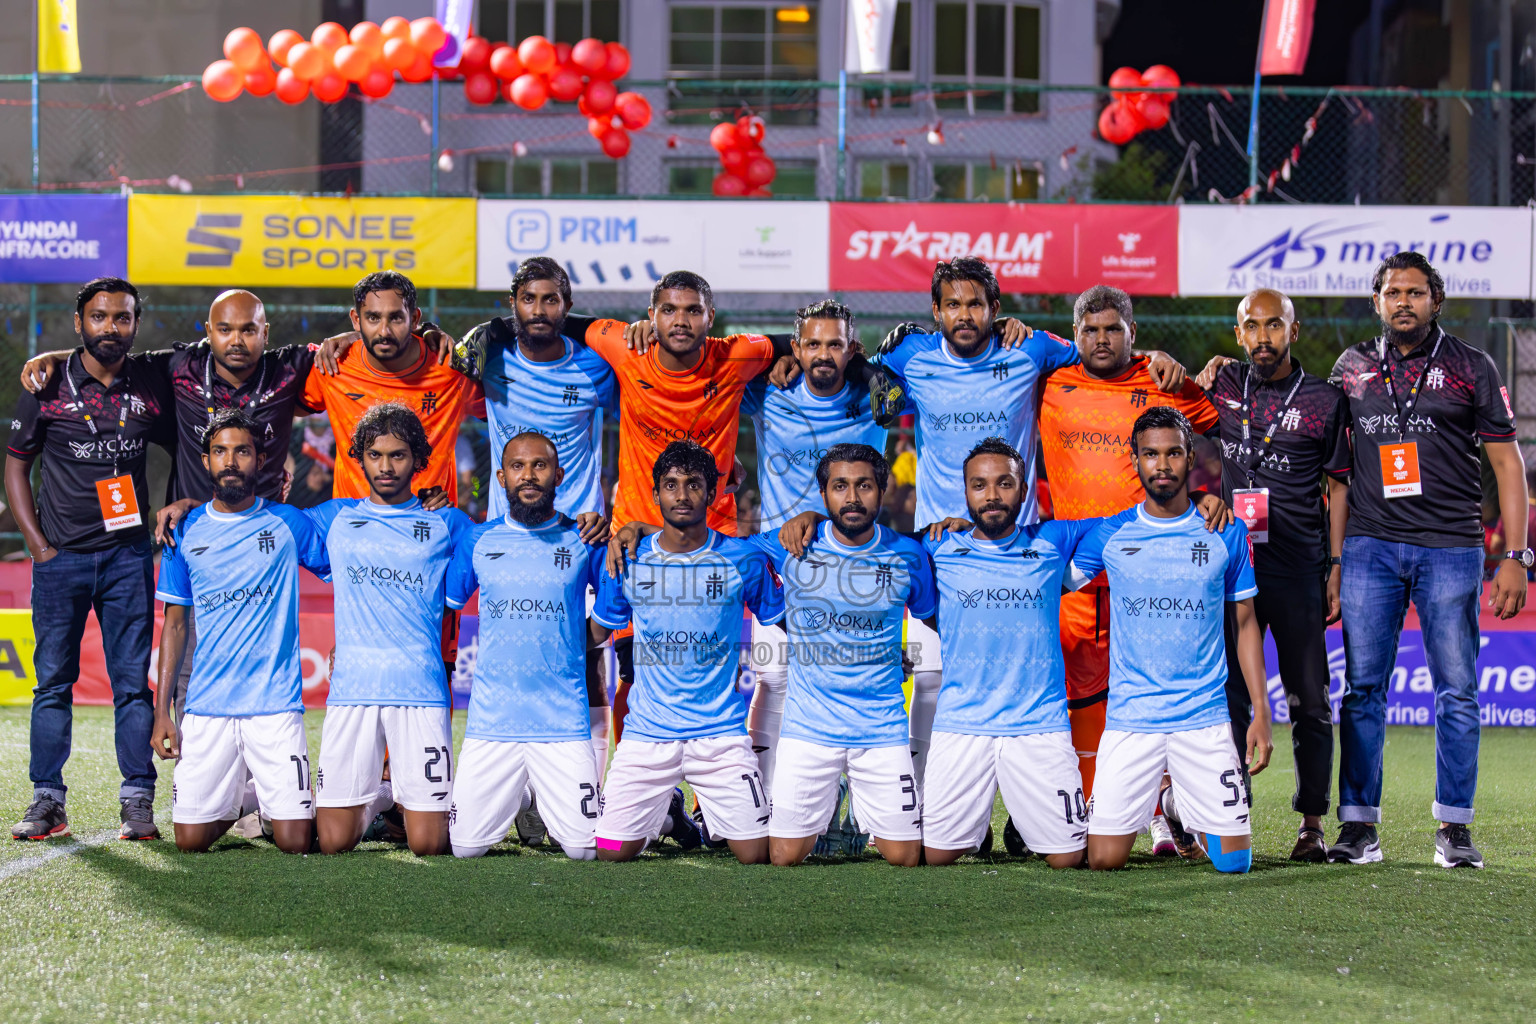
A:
(16, 646)
(58, 38)
(233, 241)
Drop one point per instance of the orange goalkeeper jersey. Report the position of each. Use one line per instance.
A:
(657, 407)
(439, 395)
(1085, 435)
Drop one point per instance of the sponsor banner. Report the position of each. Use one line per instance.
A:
(62, 239)
(627, 246)
(299, 241)
(16, 647)
(1287, 37)
(1033, 248)
(1483, 252)
(1506, 679)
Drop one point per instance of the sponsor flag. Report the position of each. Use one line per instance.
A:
(58, 39)
(454, 16)
(870, 23)
(1287, 35)
(46, 239)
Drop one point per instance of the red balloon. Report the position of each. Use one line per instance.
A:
(537, 55)
(428, 35)
(420, 69)
(600, 96)
(290, 87)
(634, 110)
(734, 161)
(751, 128)
(1163, 77)
(759, 171)
(597, 127)
(377, 83)
(399, 54)
(760, 193)
(261, 80)
(307, 60)
(329, 36)
(396, 28)
(369, 37)
(329, 88)
(222, 80)
(565, 84)
(476, 55)
(446, 74)
(281, 42)
(722, 136)
(1125, 80)
(590, 56)
(352, 62)
(729, 185)
(243, 47)
(618, 62)
(504, 63)
(481, 88)
(562, 54)
(1118, 124)
(616, 143)
(530, 91)
(1153, 110)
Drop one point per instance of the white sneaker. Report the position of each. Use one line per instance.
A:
(1162, 837)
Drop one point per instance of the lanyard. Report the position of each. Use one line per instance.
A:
(122, 410)
(1274, 422)
(256, 396)
(1406, 410)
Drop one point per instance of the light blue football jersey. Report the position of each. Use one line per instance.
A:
(687, 614)
(239, 573)
(565, 401)
(1169, 583)
(845, 610)
(959, 402)
(388, 564)
(794, 428)
(530, 669)
(1000, 628)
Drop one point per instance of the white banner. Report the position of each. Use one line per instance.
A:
(747, 246)
(1482, 252)
(870, 26)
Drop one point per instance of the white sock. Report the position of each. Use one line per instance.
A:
(925, 700)
(577, 852)
(602, 727)
(466, 852)
(382, 801)
(527, 800)
(765, 718)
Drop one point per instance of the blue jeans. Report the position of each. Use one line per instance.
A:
(1445, 585)
(119, 585)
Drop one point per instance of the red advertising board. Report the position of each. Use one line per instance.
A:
(1039, 248)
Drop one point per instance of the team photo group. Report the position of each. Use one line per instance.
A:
(1073, 625)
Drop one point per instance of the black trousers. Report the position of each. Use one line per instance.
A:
(1292, 609)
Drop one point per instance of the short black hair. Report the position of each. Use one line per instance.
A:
(826, 309)
(528, 435)
(111, 286)
(542, 268)
(684, 279)
(1410, 260)
(853, 453)
(1163, 417)
(690, 457)
(1099, 298)
(384, 281)
(231, 419)
(396, 420)
(993, 446)
(966, 268)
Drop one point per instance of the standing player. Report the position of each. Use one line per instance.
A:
(685, 591)
(528, 720)
(237, 561)
(1002, 719)
(389, 557)
(1167, 679)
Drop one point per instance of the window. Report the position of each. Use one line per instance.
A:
(889, 179)
(553, 177)
(697, 178)
(742, 44)
(991, 181)
(978, 43)
(563, 21)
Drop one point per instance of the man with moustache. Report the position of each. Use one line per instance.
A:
(1284, 440)
(88, 535)
(1420, 403)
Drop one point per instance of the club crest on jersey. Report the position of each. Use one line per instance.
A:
(266, 543)
(421, 530)
(562, 558)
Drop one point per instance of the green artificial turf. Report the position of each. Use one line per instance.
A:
(105, 930)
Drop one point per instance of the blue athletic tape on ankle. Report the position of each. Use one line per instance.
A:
(1233, 862)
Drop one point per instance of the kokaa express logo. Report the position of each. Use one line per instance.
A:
(103, 449)
(818, 620)
(386, 576)
(203, 233)
(1093, 441)
(1164, 607)
(987, 419)
(1000, 597)
(256, 595)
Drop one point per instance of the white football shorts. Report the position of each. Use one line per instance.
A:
(217, 752)
(352, 744)
(721, 769)
(881, 782)
(1038, 776)
(488, 790)
(1209, 786)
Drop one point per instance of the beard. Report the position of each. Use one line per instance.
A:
(531, 515)
(1406, 339)
(107, 348)
(846, 519)
(1002, 530)
(233, 488)
(520, 329)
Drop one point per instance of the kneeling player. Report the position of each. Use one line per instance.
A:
(685, 591)
(1167, 699)
(528, 722)
(237, 560)
(389, 557)
(1001, 721)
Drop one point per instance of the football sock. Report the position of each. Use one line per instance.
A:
(1233, 862)
(526, 801)
(925, 699)
(466, 852)
(382, 801)
(601, 716)
(765, 718)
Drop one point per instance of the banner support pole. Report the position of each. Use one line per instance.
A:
(1253, 109)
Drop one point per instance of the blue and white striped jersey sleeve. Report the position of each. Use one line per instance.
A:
(308, 539)
(923, 600)
(461, 582)
(763, 591)
(1051, 352)
(1240, 582)
(611, 607)
(174, 585)
(1068, 534)
(1088, 559)
(768, 543)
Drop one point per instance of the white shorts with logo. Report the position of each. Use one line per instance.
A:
(882, 787)
(1209, 787)
(1037, 774)
(217, 754)
(491, 777)
(721, 769)
(352, 744)
(922, 649)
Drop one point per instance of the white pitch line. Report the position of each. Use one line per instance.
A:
(24, 864)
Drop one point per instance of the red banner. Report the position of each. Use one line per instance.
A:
(1033, 248)
(1287, 37)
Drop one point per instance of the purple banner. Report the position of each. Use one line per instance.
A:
(1506, 680)
(62, 239)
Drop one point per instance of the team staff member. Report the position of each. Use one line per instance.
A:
(88, 535)
(1420, 401)
(1283, 433)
